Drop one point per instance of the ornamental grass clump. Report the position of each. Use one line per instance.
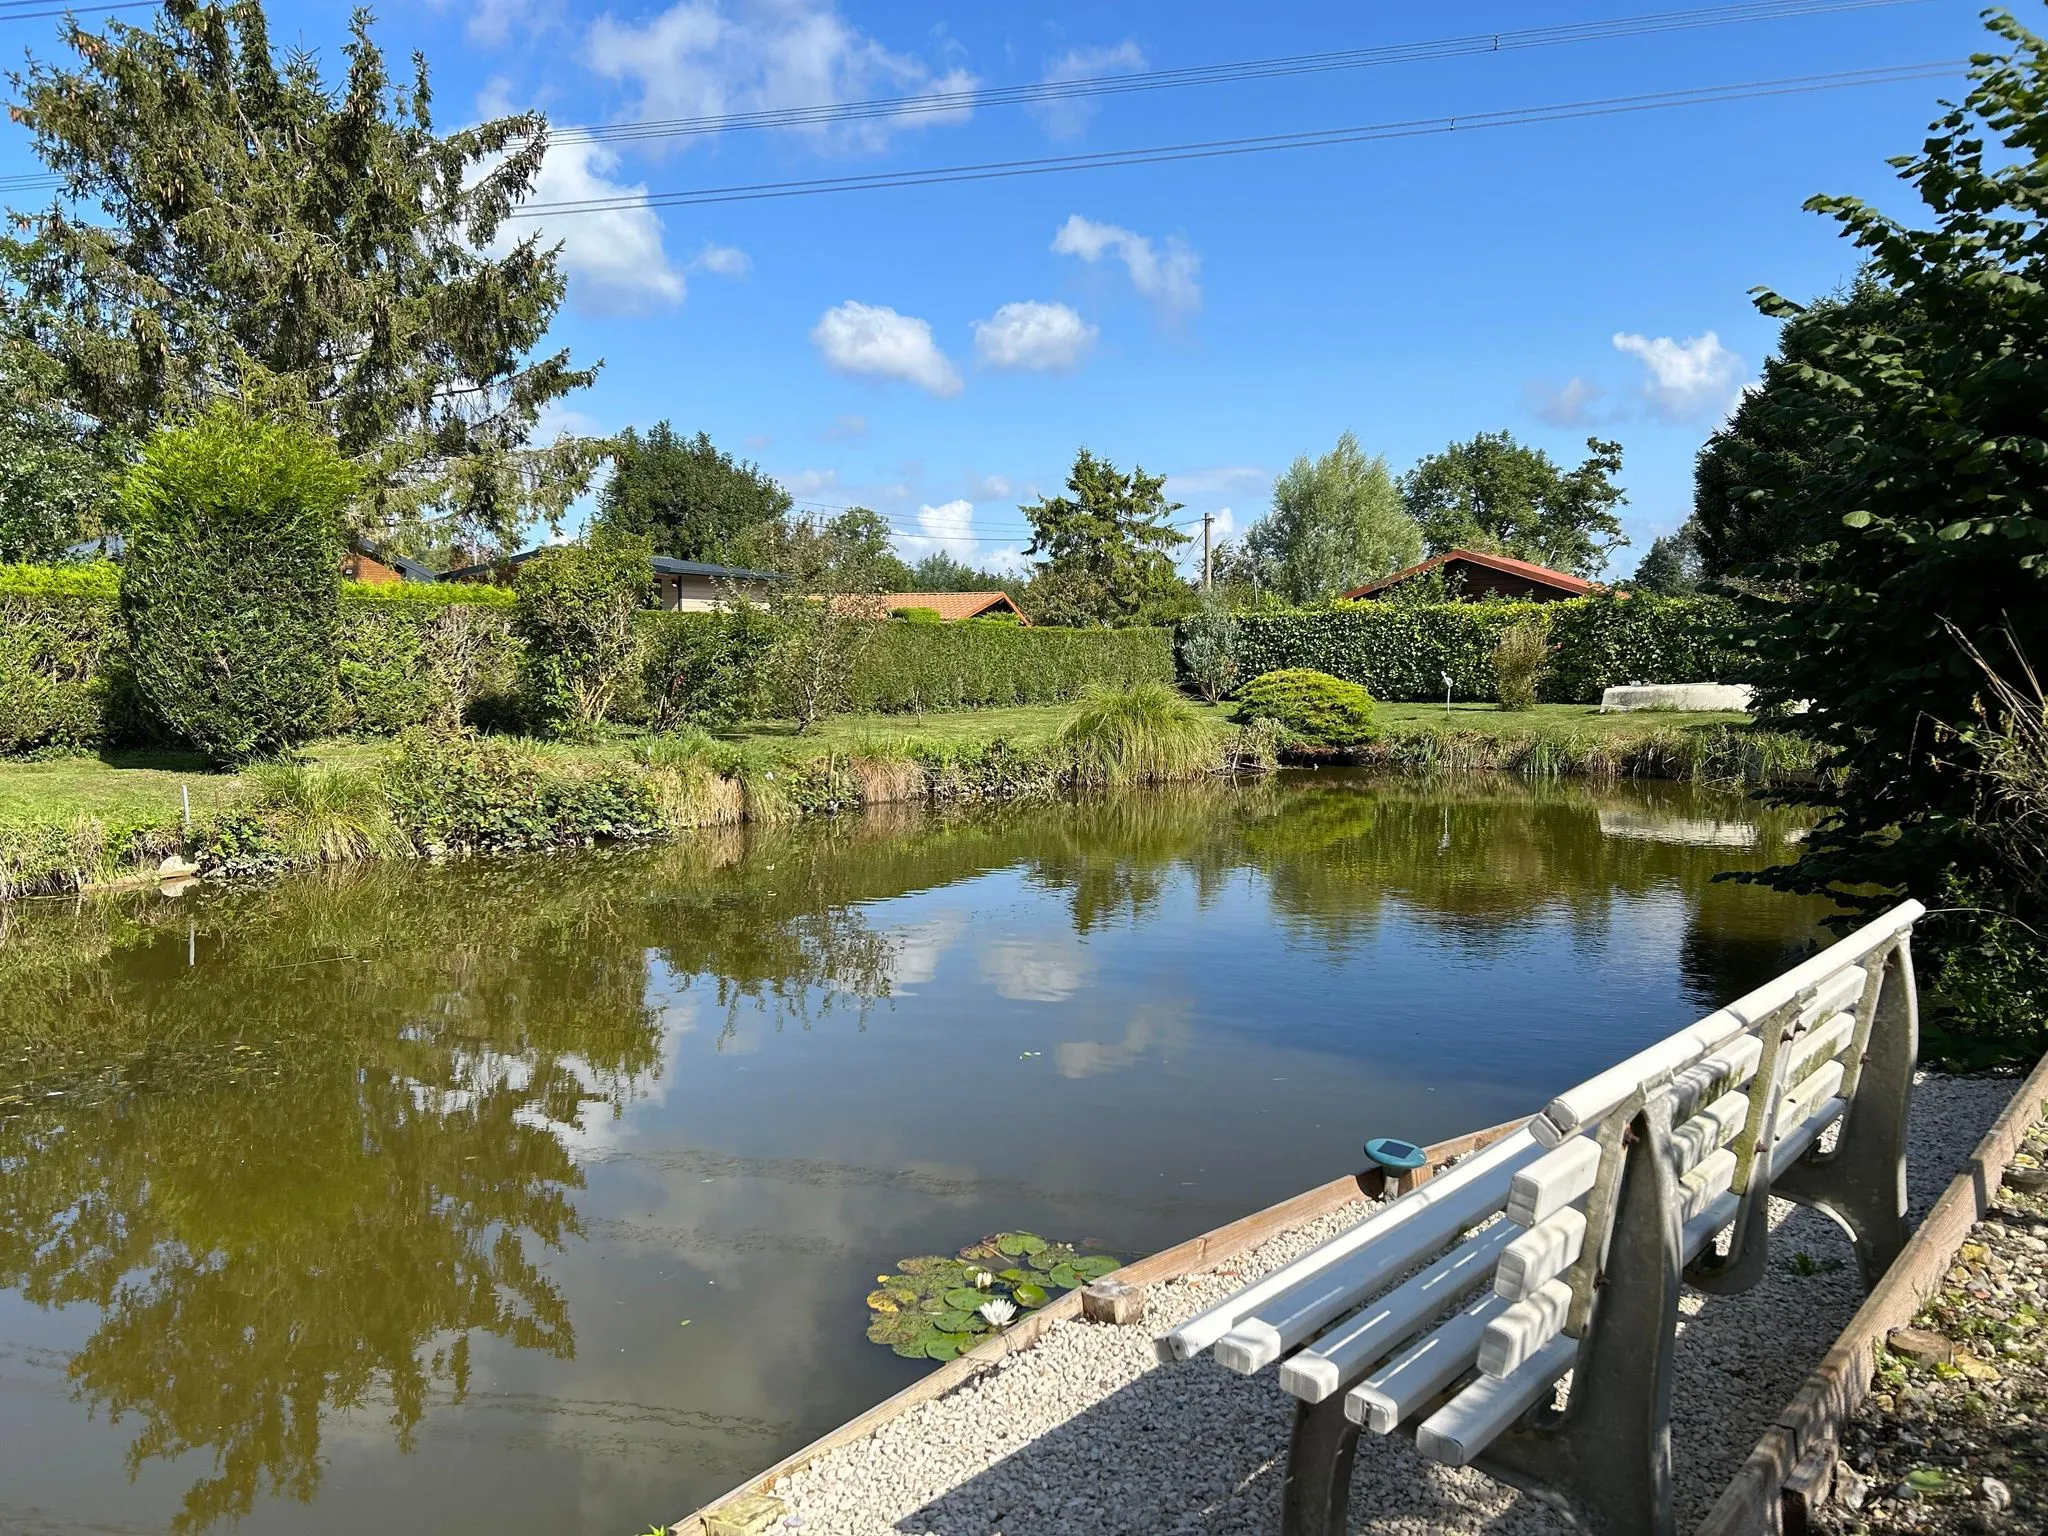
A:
(1520, 659)
(1316, 710)
(1135, 735)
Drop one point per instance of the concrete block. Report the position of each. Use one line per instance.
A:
(1110, 1300)
(1680, 696)
(755, 1514)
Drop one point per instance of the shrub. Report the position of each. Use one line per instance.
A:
(1132, 735)
(917, 615)
(575, 619)
(1520, 660)
(466, 792)
(231, 590)
(1206, 649)
(707, 668)
(1318, 710)
(417, 662)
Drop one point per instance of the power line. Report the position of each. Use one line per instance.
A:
(943, 102)
(7, 13)
(1262, 144)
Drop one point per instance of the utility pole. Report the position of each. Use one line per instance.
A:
(1207, 519)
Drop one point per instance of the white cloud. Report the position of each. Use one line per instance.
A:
(1048, 969)
(991, 487)
(704, 58)
(614, 259)
(948, 526)
(1169, 279)
(1033, 337)
(875, 341)
(1064, 119)
(1240, 480)
(1562, 405)
(1697, 379)
(722, 261)
(494, 21)
(846, 429)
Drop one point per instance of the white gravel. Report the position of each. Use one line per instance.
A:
(1085, 1432)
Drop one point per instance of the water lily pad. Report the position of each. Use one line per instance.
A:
(954, 1322)
(966, 1299)
(1052, 1255)
(1095, 1266)
(921, 1263)
(1015, 1276)
(1065, 1278)
(1014, 1244)
(984, 1252)
(1029, 1295)
(892, 1298)
(945, 1346)
(931, 1306)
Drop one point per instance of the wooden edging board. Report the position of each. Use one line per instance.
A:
(1190, 1257)
(1791, 1472)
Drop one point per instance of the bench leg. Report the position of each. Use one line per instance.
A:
(1862, 1182)
(1605, 1460)
(1316, 1497)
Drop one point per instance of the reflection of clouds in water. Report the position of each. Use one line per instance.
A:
(1155, 1027)
(917, 948)
(1049, 969)
(603, 1124)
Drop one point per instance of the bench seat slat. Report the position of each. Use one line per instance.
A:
(1340, 1357)
(1491, 1168)
(1524, 1328)
(1471, 1421)
(1554, 1182)
(1541, 1254)
(1421, 1371)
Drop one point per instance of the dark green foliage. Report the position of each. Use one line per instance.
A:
(1337, 522)
(1205, 649)
(1501, 497)
(1400, 651)
(689, 498)
(235, 226)
(1934, 494)
(230, 589)
(1106, 549)
(1749, 532)
(1521, 658)
(917, 615)
(1672, 566)
(940, 572)
(420, 662)
(55, 481)
(709, 669)
(1315, 709)
(915, 667)
(575, 622)
(483, 794)
(63, 672)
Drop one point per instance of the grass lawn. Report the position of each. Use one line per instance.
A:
(1560, 720)
(142, 785)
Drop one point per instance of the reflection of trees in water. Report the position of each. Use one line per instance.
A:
(304, 1172)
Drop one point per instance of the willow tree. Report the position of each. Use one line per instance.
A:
(230, 223)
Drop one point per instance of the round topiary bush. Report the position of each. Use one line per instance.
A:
(1317, 709)
(232, 584)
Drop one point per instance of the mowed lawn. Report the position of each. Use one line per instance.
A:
(143, 785)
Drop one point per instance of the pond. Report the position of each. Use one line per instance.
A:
(542, 1195)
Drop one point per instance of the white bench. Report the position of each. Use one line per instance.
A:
(1455, 1311)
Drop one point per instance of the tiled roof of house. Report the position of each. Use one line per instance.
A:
(1576, 586)
(951, 606)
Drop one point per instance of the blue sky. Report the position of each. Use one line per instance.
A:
(939, 352)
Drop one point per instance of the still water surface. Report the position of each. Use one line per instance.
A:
(541, 1196)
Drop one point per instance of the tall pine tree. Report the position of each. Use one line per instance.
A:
(234, 225)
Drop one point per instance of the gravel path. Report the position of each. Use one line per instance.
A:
(1085, 1432)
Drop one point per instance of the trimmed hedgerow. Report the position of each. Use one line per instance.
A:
(417, 662)
(231, 586)
(915, 667)
(63, 671)
(575, 620)
(1402, 651)
(429, 594)
(708, 669)
(1314, 708)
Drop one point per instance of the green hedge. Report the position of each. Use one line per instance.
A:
(1401, 651)
(411, 661)
(63, 658)
(909, 667)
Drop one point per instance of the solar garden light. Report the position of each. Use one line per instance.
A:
(1447, 692)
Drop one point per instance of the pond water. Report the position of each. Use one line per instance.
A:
(542, 1195)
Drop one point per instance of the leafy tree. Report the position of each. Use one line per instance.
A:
(55, 484)
(1106, 549)
(1336, 522)
(575, 620)
(232, 584)
(1934, 494)
(824, 605)
(691, 499)
(1747, 536)
(1502, 497)
(710, 669)
(1206, 642)
(232, 225)
(1671, 567)
(848, 553)
(941, 572)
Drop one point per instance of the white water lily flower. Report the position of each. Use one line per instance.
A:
(999, 1312)
(983, 1279)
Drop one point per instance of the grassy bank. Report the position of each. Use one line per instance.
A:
(74, 822)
